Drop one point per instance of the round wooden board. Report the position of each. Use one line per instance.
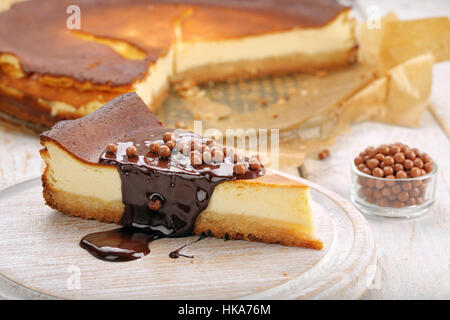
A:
(41, 258)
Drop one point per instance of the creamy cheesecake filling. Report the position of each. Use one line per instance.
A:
(157, 79)
(336, 36)
(264, 202)
(70, 175)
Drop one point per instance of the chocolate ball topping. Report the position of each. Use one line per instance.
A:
(111, 148)
(131, 151)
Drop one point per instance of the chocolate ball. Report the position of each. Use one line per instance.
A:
(428, 166)
(379, 157)
(254, 164)
(357, 161)
(324, 154)
(403, 196)
(399, 157)
(395, 149)
(111, 148)
(379, 184)
(401, 175)
(383, 202)
(407, 186)
(131, 151)
(388, 171)
(377, 172)
(239, 168)
(371, 151)
(414, 192)
(170, 144)
(377, 194)
(418, 162)
(386, 191)
(411, 155)
(416, 172)
(164, 151)
(396, 189)
(425, 157)
(168, 136)
(389, 161)
(370, 183)
(383, 149)
(154, 147)
(372, 163)
(408, 164)
(398, 167)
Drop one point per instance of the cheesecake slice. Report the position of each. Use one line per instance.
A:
(131, 185)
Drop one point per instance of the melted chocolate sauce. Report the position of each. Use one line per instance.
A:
(184, 191)
(122, 244)
(176, 253)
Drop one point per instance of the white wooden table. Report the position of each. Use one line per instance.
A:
(413, 255)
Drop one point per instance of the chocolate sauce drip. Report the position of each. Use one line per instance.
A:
(176, 253)
(123, 244)
(184, 191)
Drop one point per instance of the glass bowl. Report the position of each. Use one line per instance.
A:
(398, 198)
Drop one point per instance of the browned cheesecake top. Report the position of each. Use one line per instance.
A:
(87, 137)
(35, 31)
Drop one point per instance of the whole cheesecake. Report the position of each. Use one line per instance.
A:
(49, 72)
(121, 165)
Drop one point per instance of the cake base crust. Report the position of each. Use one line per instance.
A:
(237, 227)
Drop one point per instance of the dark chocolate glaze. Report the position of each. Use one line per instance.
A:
(183, 189)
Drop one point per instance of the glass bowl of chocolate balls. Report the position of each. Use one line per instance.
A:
(393, 180)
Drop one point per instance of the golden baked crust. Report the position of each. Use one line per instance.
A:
(236, 227)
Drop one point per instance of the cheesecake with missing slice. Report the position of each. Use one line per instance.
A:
(144, 46)
(121, 165)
